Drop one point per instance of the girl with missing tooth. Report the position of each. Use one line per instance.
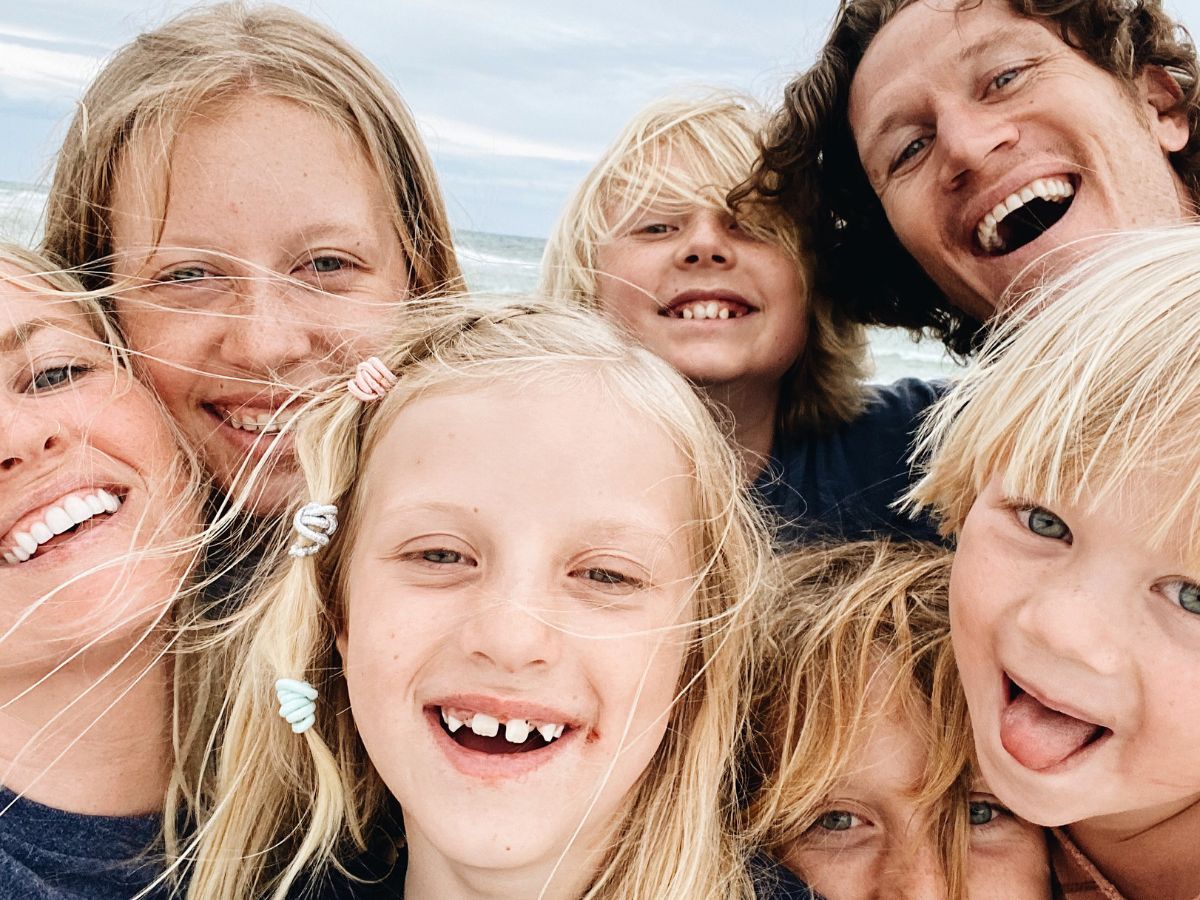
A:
(540, 663)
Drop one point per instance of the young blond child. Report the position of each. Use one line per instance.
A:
(261, 196)
(726, 296)
(868, 786)
(1067, 468)
(526, 601)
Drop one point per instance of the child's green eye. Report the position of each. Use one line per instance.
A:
(1044, 523)
(441, 556)
(837, 820)
(981, 812)
(1184, 593)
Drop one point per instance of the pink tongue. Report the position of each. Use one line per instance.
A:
(1038, 737)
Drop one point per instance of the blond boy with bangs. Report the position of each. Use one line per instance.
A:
(1066, 465)
(726, 296)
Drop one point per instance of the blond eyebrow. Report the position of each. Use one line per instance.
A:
(19, 335)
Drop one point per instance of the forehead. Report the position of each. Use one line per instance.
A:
(954, 39)
(28, 304)
(561, 446)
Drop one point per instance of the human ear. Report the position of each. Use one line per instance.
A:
(1160, 92)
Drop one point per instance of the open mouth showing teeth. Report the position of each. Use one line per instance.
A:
(1024, 216)
(707, 309)
(268, 422)
(487, 734)
(58, 523)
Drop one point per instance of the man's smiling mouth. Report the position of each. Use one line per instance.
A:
(1025, 215)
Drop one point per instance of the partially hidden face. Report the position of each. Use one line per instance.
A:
(998, 142)
(1077, 640)
(91, 489)
(275, 259)
(875, 840)
(518, 607)
(717, 304)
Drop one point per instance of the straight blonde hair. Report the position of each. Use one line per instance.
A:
(857, 618)
(1092, 384)
(277, 810)
(692, 153)
(128, 120)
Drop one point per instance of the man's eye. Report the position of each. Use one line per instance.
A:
(55, 376)
(1184, 593)
(1044, 523)
(837, 820)
(1007, 77)
(981, 812)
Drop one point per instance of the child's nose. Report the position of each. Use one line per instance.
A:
(707, 242)
(511, 634)
(1077, 615)
(275, 328)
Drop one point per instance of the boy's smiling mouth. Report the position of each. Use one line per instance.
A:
(1041, 737)
(699, 305)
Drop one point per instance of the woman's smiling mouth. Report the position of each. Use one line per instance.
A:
(48, 527)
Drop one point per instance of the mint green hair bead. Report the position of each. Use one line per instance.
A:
(297, 703)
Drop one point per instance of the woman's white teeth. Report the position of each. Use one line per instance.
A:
(987, 231)
(516, 731)
(58, 518)
(272, 420)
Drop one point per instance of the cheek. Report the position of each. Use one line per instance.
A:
(1015, 869)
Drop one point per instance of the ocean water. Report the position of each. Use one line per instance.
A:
(502, 263)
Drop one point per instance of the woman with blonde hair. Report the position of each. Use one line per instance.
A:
(539, 653)
(99, 525)
(869, 788)
(262, 198)
(725, 294)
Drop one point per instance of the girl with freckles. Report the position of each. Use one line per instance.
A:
(1066, 466)
(869, 789)
(529, 665)
(261, 196)
(98, 535)
(725, 294)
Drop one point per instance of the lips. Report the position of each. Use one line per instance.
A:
(495, 739)
(1025, 215)
(51, 524)
(701, 305)
(1039, 736)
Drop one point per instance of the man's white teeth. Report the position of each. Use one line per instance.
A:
(62, 516)
(270, 421)
(516, 731)
(484, 725)
(1053, 189)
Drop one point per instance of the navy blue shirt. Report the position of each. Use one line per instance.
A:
(840, 485)
(49, 854)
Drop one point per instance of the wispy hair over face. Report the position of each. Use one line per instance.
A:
(1090, 387)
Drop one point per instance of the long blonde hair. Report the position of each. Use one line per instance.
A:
(142, 98)
(276, 809)
(854, 614)
(1093, 382)
(689, 153)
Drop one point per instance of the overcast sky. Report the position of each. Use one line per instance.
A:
(516, 97)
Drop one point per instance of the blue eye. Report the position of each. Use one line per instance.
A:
(325, 265)
(981, 812)
(1006, 78)
(184, 274)
(55, 376)
(911, 149)
(604, 576)
(837, 820)
(1044, 523)
(1184, 593)
(655, 228)
(445, 557)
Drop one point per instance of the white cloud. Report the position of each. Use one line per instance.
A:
(33, 73)
(453, 137)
